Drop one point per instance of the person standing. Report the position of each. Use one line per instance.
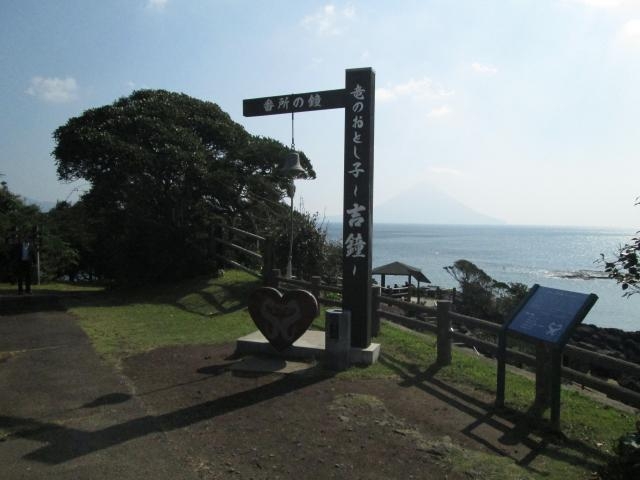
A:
(24, 258)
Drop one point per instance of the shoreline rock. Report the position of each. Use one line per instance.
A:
(612, 342)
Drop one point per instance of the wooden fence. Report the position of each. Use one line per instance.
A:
(223, 242)
(439, 321)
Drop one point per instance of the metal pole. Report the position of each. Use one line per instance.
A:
(38, 265)
(36, 245)
(289, 262)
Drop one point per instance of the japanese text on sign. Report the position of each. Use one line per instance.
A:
(355, 245)
(314, 100)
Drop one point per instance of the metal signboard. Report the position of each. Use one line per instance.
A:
(551, 314)
(547, 316)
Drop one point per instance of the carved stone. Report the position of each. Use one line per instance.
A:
(282, 319)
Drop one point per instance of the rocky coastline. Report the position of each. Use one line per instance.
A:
(612, 342)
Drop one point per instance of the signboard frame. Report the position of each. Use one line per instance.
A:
(565, 327)
(358, 101)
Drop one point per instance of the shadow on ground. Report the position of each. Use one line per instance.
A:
(516, 428)
(63, 444)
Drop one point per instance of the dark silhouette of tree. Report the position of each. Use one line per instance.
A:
(481, 295)
(624, 268)
(163, 167)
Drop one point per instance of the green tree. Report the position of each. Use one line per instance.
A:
(68, 243)
(481, 295)
(313, 253)
(16, 219)
(625, 268)
(163, 167)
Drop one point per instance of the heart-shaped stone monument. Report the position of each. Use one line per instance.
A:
(282, 319)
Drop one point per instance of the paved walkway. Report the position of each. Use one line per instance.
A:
(59, 401)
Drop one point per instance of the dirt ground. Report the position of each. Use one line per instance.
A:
(191, 412)
(248, 425)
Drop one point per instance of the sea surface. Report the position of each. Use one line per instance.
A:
(548, 256)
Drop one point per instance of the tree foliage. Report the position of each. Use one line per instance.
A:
(16, 219)
(68, 249)
(313, 253)
(163, 167)
(625, 268)
(481, 295)
(59, 257)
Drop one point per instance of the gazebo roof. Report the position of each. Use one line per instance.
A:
(399, 268)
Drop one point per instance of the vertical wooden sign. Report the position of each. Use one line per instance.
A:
(357, 220)
(358, 100)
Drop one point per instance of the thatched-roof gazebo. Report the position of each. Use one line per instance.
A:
(399, 268)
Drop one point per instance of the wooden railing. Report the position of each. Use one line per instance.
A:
(441, 323)
(315, 286)
(223, 239)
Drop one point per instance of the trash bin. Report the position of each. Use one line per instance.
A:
(337, 338)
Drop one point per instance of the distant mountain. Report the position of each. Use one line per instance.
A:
(424, 203)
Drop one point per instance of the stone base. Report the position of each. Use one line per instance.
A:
(309, 345)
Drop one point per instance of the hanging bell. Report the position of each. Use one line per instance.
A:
(291, 164)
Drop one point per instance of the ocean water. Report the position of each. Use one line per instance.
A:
(542, 255)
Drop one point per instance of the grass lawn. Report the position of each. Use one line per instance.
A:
(209, 311)
(201, 311)
(53, 287)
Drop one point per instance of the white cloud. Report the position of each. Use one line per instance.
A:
(157, 4)
(441, 111)
(54, 90)
(602, 3)
(416, 89)
(444, 171)
(484, 69)
(349, 11)
(629, 34)
(329, 20)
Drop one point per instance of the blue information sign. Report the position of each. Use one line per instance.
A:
(550, 314)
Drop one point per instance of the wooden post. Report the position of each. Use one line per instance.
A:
(502, 367)
(444, 333)
(315, 287)
(544, 374)
(267, 259)
(375, 306)
(357, 221)
(556, 385)
(273, 278)
(216, 247)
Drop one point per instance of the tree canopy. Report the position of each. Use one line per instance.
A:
(482, 296)
(625, 267)
(163, 167)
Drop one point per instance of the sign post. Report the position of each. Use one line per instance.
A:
(358, 101)
(547, 316)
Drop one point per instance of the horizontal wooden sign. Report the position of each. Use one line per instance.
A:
(293, 102)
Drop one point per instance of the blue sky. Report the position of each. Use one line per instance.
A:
(525, 110)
